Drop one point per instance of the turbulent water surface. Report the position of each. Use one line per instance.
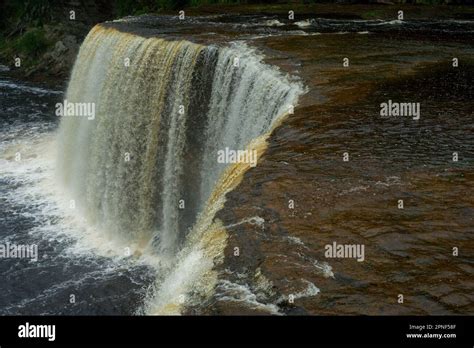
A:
(128, 208)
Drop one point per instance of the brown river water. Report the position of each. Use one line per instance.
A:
(408, 251)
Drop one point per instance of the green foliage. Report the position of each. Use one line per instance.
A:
(211, 2)
(3, 43)
(27, 12)
(126, 7)
(32, 43)
(170, 4)
(372, 14)
(134, 7)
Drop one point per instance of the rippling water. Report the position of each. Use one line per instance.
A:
(407, 251)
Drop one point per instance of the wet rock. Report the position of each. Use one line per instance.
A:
(60, 60)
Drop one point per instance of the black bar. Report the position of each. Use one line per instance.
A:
(316, 330)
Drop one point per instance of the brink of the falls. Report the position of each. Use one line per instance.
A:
(145, 168)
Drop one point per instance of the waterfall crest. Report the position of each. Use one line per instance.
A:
(145, 168)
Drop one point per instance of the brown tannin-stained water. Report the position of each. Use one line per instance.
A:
(408, 251)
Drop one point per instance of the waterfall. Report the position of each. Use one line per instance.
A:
(145, 168)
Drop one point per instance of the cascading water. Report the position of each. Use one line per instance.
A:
(145, 169)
